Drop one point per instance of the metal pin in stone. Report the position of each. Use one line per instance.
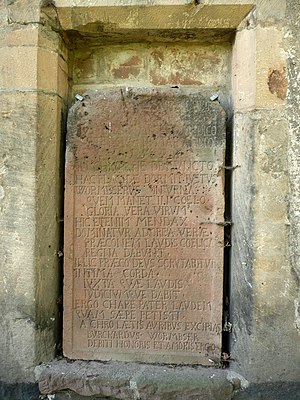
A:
(214, 97)
(79, 97)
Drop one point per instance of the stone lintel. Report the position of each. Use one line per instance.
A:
(84, 17)
(134, 381)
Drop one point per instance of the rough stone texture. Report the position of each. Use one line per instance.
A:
(270, 57)
(28, 329)
(164, 64)
(270, 391)
(17, 223)
(268, 297)
(293, 13)
(263, 284)
(164, 21)
(144, 226)
(20, 21)
(133, 381)
(105, 3)
(158, 16)
(31, 115)
(243, 74)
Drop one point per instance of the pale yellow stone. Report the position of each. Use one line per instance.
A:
(18, 67)
(243, 70)
(24, 11)
(271, 171)
(3, 14)
(29, 227)
(271, 10)
(262, 276)
(52, 41)
(48, 214)
(270, 59)
(17, 231)
(52, 73)
(122, 3)
(20, 36)
(259, 73)
(32, 36)
(188, 16)
(33, 68)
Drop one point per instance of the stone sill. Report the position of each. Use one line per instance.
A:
(133, 381)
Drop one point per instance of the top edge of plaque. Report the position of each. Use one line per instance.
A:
(92, 97)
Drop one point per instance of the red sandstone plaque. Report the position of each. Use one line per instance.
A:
(144, 227)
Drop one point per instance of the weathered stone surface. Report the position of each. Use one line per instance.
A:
(243, 73)
(270, 60)
(270, 391)
(24, 391)
(133, 381)
(158, 16)
(30, 199)
(264, 340)
(264, 285)
(293, 13)
(154, 64)
(144, 227)
(30, 195)
(260, 296)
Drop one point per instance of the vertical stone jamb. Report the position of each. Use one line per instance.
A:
(263, 286)
(33, 89)
(292, 43)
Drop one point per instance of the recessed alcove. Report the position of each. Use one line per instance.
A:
(179, 46)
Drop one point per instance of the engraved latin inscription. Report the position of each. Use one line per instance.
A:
(143, 233)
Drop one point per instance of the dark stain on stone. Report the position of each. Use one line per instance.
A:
(277, 82)
(82, 131)
(46, 3)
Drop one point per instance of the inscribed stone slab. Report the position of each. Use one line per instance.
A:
(144, 212)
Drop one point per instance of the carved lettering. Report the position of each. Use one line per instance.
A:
(144, 236)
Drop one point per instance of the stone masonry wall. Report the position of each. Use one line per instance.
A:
(256, 74)
(264, 282)
(33, 90)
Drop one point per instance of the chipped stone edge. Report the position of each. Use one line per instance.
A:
(238, 381)
(38, 370)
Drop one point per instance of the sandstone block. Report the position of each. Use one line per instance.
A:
(53, 72)
(244, 70)
(143, 233)
(18, 67)
(271, 73)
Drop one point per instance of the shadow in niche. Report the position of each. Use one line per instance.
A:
(226, 333)
(24, 391)
(63, 130)
(270, 391)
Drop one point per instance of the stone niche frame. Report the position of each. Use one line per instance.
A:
(153, 149)
(210, 21)
(205, 22)
(252, 103)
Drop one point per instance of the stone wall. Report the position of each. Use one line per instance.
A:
(264, 282)
(34, 87)
(255, 72)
